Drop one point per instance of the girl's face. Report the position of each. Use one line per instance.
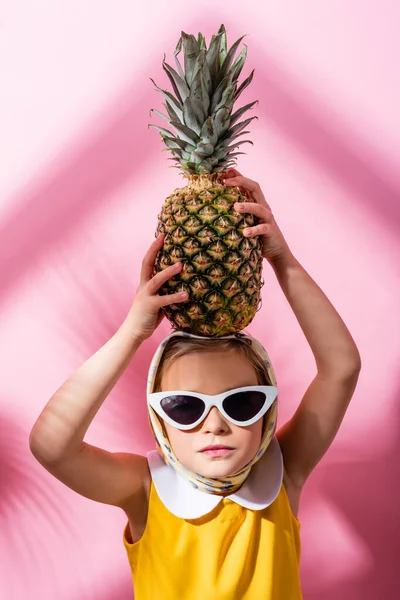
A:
(212, 373)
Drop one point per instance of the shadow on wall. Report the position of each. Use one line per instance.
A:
(366, 493)
(121, 146)
(338, 152)
(32, 513)
(46, 212)
(82, 180)
(114, 591)
(102, 298)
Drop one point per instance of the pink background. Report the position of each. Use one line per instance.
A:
(81, 184)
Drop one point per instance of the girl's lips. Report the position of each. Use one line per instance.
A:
(217, 450)
(216, 447)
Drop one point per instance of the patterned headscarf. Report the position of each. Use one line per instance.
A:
(210, 485)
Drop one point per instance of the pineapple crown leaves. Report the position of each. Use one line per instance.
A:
(203, 131)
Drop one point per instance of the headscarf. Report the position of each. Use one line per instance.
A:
(231, 483)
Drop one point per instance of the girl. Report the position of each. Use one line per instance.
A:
(212, 514)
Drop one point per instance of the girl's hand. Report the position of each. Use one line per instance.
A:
(145, 314)
(274, 244)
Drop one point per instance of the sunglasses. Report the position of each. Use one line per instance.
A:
(241, 406)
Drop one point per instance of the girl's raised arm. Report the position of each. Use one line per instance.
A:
(309, 433)
(56, 439)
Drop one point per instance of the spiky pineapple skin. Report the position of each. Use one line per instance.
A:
(222, 269)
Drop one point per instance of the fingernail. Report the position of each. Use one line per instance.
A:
(246, 231)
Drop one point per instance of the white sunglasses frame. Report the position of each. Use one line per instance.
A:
(270, 391)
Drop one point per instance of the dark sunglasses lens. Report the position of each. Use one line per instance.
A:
(243, 406)
(184, 410)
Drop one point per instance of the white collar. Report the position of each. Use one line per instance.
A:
(259, 490)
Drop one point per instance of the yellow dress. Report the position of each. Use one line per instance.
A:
(230, 553)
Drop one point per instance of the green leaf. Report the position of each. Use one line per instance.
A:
(176, 152)
(191, 167)
(213, 58)
(198, 157)
(227, 98)
(198, 91)
(244, 85)
(221, 121)
(229, 59)
(208, 132)
(237, 144)
(178, 50)
(162, 130)
(221, 153)
(186, 133)
(205, 167)
(207, 149)
(229, 138)
(193, 115)
(217, 95)
(173, 142)
(232, 154)
(180, 86)
(172, 114)
(227, 165)
(176, 105)
(223, 45)
(178, 47)
(231, 148)
(239, 127)
(201, 42)
(191, 50)
(207, 77)
(236, 115)
(212, 160)
(160, 114)
(238, 64)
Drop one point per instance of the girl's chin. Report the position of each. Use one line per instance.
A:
(217, 468)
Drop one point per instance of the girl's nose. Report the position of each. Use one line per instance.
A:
(214, 422)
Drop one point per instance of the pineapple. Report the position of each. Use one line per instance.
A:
(222, 269)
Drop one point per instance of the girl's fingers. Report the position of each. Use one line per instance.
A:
(172, 298)
(232, 173)
(155, 282)
(263, 213)
(149, 259)
(162, 277)
(261, 229)
(245, 192)
(248, 185)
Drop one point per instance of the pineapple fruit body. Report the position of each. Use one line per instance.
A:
(222, 269)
